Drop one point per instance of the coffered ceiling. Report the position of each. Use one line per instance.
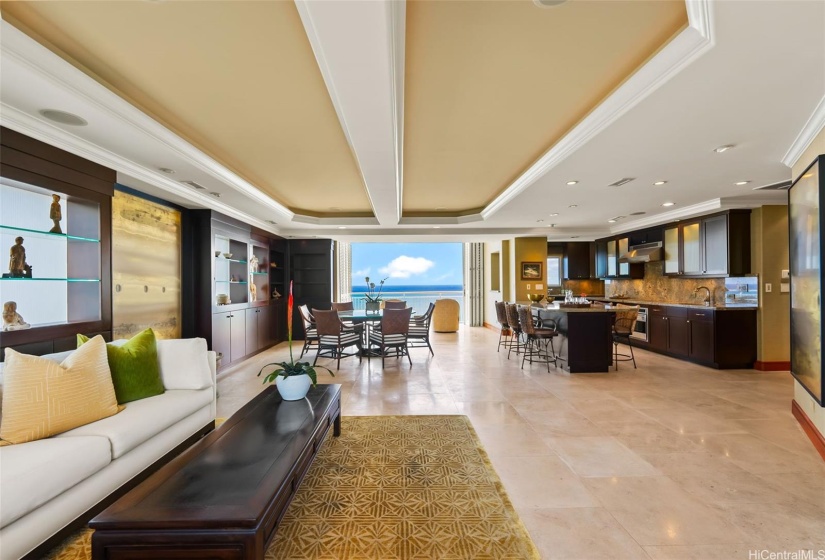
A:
(438, 119)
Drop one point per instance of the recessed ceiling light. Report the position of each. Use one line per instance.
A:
(342, 227)
(740, 183)
(554, 214)
(659, 183)
(666, 204)
(216, 194)
(724, 148)
(611, 221)
(166, 170)
(572, 183)
(63, 117)
(573, 206)
(436, 227)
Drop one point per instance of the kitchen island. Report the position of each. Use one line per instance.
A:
(587, 335)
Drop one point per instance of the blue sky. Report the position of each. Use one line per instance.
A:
(407, 264)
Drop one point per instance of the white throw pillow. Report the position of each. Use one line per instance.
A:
(184, 363)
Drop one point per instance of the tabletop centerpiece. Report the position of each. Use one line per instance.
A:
(372, 296)
(293, 379)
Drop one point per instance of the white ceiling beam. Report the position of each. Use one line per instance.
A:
(359, 47)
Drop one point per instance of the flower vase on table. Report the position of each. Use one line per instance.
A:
(373, 296)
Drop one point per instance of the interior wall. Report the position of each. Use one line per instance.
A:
(815, 412)
(769, 256)
(490, 295)
(529, 249)
(146, 267)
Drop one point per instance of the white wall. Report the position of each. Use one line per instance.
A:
(490, 296)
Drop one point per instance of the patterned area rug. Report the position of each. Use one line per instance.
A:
(393, 487)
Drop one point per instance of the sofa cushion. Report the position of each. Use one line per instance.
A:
(42, 398)
(33, 473)
(184, 363)
(144, 419)
(135, 367)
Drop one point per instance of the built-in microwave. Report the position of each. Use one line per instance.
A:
(640, 329)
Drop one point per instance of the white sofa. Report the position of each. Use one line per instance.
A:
(47, 484)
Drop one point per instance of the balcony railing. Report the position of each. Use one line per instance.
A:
(419, 301)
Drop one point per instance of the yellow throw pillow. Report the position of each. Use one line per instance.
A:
(42, 398)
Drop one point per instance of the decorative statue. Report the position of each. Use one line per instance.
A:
(253, 264)
(18, 268)
(253, 292)
(12, 320)
(55, 214)
(276, 294)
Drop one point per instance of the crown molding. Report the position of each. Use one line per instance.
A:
(706, 207)
(397, 42)
(686, 47)
(813, 126)
(24, 123)
(45, 64)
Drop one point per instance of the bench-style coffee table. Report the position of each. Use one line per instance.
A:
(224, 496)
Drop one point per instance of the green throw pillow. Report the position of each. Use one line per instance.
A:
(134, 366)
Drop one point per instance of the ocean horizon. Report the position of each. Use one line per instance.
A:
(396, 288)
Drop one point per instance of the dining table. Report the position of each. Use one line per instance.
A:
(365, 317)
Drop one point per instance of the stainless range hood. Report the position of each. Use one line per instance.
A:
(647, 252)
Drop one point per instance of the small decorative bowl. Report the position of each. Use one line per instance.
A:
(217, 253)
(550, 299)
(222, 299)
(535, 298)
(227, 255)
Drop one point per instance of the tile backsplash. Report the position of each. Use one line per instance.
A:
(655, 286)
(589, 287)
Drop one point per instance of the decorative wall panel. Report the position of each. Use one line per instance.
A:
(146, 267)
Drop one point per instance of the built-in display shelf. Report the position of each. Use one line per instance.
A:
(231, 260)
(53, 279)
(229, 282)
(40, 234)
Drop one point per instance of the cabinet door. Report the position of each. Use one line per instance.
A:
(612, 261)
(715, 245)
(601, 259)
(692, 249)
(671, 247)
(237, 335)
(251, 331)
(264, 327)
(222, 335)
(701, 340)
(678, 335)
(623, 246)
(657, 325)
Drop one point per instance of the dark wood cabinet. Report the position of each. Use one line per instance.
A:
(720, 338)
(712, 246)
(608, 252)
(601, 259)
(311, 271)
(579, 260)
(229, 335)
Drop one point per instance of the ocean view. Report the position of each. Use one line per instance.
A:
(391, 288)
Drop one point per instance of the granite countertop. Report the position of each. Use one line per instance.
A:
(555, 307)
(732, 306)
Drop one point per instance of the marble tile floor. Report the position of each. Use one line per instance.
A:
(668, 461)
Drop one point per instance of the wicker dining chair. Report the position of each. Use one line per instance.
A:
(395, 326)
(538, 345)
(623, 327)
(395, 304)
(310, 331)
(515, 329)
(504, 332)
(419, 333)
(333, 338)
(348, 325)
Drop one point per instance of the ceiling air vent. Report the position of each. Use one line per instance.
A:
(783, 186)
(621, 182)
(194, 185)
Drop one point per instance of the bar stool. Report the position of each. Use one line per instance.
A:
(536, 338)
(515, 328)
(504, 333)
(623, 327)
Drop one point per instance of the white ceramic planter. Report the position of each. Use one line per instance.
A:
(294, 387)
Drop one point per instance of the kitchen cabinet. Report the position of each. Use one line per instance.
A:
(258, 329)
(612, 259)
(229, 334)
(608, 252)
(711, 246)
(579, 259)
(623, 246)
(717, 338)
(601, 259)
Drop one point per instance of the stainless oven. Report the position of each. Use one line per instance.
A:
(640, 330)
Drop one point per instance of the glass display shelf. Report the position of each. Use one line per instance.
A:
(230, 260)
(54, 279)
(228, 282)
(259, 273)
(47, 234)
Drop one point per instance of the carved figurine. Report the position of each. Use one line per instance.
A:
(253, 292)
(12, 320)
(18, 268)
(55, 214)
(253, 264)
(276, 294)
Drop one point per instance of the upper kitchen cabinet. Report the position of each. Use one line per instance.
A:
(712, 246)
(579, 260)
(608, 252)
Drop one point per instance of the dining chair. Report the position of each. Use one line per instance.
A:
(419, 333)
(623, 327)
(310, 331)
(395, 326)
(395, 304)
(333, 338)
(504, 332)
(515, 328)
(347, 306)
(535, 338)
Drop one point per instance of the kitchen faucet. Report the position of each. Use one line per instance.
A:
(707, 301)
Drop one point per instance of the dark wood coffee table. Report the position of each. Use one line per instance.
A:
(223, 497)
